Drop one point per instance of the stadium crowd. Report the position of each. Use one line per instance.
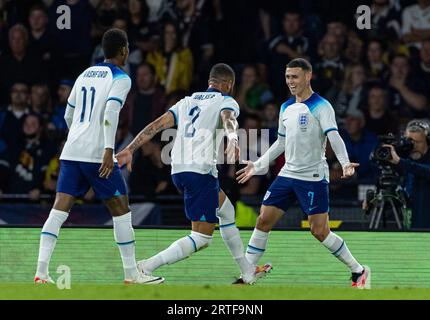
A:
(377, 79)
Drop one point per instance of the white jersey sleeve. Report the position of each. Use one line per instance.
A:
(326, 118)
(71, 100)
(281, 126)
(119, 90)
(175, 109)
(230, 104)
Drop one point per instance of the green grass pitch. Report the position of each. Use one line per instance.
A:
(303, 268)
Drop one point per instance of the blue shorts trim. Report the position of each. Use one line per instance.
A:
(200, 195)
(313, 196)
(77, 177)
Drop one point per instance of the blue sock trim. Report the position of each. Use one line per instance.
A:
(341, 246)
(194, 243)
(256, 249)
(125, 243)
(49, 234)
(227, 225)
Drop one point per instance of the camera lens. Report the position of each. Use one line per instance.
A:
(383, 153)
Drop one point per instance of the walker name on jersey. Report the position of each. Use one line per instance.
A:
(203, 96)
(95, 74)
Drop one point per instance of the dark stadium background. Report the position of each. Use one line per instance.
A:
(358, 71)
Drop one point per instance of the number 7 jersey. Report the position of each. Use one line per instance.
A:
(92, 90)
(197, 139)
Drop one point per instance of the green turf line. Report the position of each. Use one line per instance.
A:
(397, 259)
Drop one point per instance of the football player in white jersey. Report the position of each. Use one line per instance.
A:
(194, 170)
(87, 159)
(305, 122)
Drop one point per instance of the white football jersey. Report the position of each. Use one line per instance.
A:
(305, 126)
(197, 143)
(92, 90)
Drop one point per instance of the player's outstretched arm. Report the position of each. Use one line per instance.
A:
(125, 157)
(230, 126)
(263, 163)
(339, 149)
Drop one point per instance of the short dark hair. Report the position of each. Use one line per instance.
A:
(222, 72)
(300, 63)
(113, 41)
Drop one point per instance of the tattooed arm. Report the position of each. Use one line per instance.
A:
(166, 121)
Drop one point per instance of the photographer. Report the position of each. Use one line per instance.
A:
(417, 171)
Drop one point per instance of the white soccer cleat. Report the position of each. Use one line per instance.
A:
(141, 267)
(43, 280)
(260, 271)
(364, 280)
(144, 279)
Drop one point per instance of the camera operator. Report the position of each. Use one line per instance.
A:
(417, 171)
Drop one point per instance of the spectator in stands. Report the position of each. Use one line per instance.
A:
(173, 62)
(30, 159)
(407, 93)
(252, 125)
(57, 121)
(416, 23)
(338, 29)
(270, 120)
(359, 143)
(422, 69)
(353, 52)
(251, 93)
(150, 176)
(42, 43)
(375, 65)
(352, 94)
(196, 34)
(139, 30)
(288, 45)
(75, 43)
(386, 16)
(14, 115)
(40, 101)
(379, 118)
(52, 172)
(329, 70)
(106, 12)
(146, 102)
(20, 64)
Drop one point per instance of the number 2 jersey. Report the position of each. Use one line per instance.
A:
(197, 139)
(92, 90)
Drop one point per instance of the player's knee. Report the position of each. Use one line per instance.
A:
(319, 232)
(201, 241)
(264, 222)
(226, 214)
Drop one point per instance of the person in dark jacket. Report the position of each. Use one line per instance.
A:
(417, 171)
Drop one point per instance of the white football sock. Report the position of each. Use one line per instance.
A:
(256, 246)
(177, 251)
(338, 248)
(124, 237)
(48, 239)
(231, 236)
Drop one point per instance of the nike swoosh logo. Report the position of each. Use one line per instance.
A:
(312, 208)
